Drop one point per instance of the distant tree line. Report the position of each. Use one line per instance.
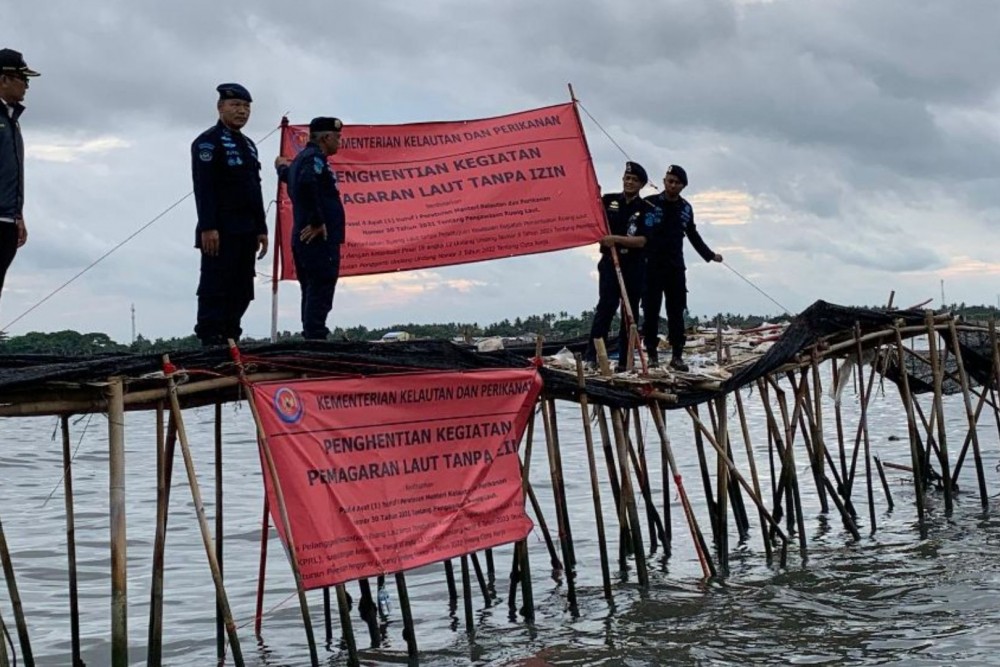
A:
(553, 326)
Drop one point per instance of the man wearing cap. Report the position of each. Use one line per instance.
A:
(624, 212)
(14, 75)
(669, 219)
(318, 224)
(231, 230)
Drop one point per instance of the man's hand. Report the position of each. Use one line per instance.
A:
(717, 258)
(22, 232)
(210, 243)
(607, 241)
(261, 245)
(281, 161)
(309, 233)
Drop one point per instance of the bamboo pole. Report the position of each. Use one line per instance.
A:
(449, 575)
(624, 536)
(15, 601)
(788, 469)
(638, 458)
(628, 499)
(220, 624)
(838, 419)
(701, 549)
(344, 609)
(863, 426)
(918, 482)
(4, 659)
(470, 626)
(753, 472)
(594, 484)
(559, 496)
(116, 494)
(521, 559)
(706, 481)
(558, 485)
(258, 618)
(367, 609)
(722, 479)
(164, 476)
(206, 537)
(74, 600)
(290, 538)
(942, 441)
(327, 616)
(481, 579)
(409, 633)
(980, 476)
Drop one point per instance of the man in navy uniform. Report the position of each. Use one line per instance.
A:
(625, 214)
(14, 75)
(231, 230)
(670, 218)
(319, 223)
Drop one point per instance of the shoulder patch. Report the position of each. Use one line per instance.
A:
(205, 155)
(318, 164)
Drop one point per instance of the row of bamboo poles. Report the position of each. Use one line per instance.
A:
(795, 422)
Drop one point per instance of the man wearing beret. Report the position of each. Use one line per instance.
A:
(669, 219)
(14, 75)
(231, 231)
(318, 225)
(624, 211)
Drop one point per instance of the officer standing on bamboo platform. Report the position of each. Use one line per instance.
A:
(625, 214)
(14, 75)
(231, 230)
(318, 223)
(669, 219)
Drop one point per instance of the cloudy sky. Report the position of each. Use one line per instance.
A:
(837, 149)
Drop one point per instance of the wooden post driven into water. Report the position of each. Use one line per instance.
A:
(287, 525)
(220, 592)
(116, 489)
(164, 476)
(74, 600)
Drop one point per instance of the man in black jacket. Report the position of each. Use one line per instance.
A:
(625, 212)
(231, 228)
(319, 223)
(668, 221)
(14, 75)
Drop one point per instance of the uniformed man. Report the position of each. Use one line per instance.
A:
(670, 218)
(14, 75)
(319, 223)
(624, 211)
(231, 230)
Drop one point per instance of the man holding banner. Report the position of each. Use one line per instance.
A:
(624, 212)
(318, 223)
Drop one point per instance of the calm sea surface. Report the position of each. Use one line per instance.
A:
(890, 598)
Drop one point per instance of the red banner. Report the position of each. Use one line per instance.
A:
(386, 474)
(436, 194)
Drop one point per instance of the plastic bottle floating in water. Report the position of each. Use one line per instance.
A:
(383, 601)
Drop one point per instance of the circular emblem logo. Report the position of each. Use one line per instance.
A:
(288, 405)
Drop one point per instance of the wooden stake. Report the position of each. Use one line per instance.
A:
(287, 525)
(936, 365)
(628, 499)
(409, 633)
(74, 601)
(559, 496)
(116, 494)
(262, 568)
(470, 626)
(594, 484)
(206, 537)
(918, 482)
(707, 567)
(164, 476)
(220, 624)
(863, 427)
(981, 477)
(753, 472)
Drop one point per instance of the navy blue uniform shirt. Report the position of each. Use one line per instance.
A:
(312, 187)
(625, 218)
(667, 222)
(226, 175)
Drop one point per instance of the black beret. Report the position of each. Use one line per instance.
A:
(233, 91)
(13, 61)
(674, 170)
(325, 124)
(636, 170)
